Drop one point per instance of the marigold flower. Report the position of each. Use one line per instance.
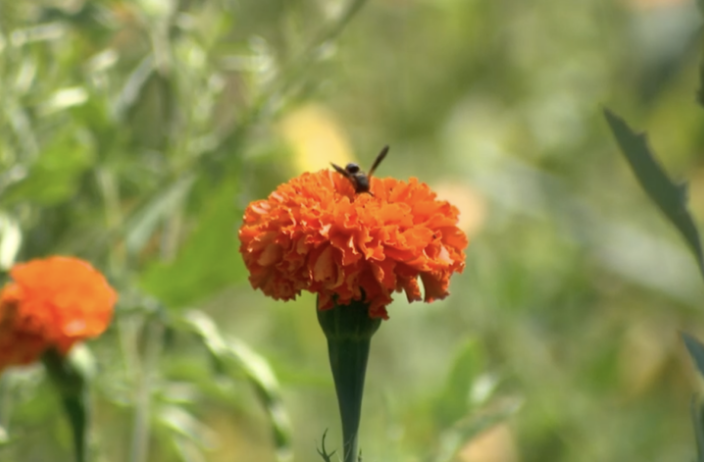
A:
(315, 233)
(51, 303)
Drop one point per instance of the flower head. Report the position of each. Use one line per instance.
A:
(51, 303)
(315, 233)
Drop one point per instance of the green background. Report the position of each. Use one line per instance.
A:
(133, 134)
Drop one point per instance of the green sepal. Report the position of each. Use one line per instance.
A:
(349, 331)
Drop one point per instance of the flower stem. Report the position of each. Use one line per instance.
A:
(349, 331)
(72, 387)
(145, 371)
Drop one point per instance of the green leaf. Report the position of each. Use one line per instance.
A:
(54, 177)
(696, 351)
(4, 437)
(452, 440)
(134, 87)
(210, 255)
(700, 92)
(63, 99)
(669, 196)
(143, 225)
(183, 424)
(696, 411)
(327, 457)
(10, 241)
(237, 357)
(454, 401)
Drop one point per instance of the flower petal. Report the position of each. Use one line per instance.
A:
(316, 233)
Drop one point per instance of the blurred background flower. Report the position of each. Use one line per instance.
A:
(51, 304)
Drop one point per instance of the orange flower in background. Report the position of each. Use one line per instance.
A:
(315, 233)
(51, 303)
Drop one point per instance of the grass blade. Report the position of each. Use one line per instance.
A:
(696, 410)
(142, 226)
(696, 351)
(233, 354)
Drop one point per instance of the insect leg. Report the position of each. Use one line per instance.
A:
(378, 160)
(340, 170)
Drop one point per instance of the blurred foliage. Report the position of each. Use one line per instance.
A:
(671, 198)
(134, 133)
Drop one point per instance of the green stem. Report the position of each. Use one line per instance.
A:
(348, 361)
(5, 403)
(73, 390)
(145, 371)
(349, 331)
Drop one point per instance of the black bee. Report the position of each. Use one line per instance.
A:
(357, 177)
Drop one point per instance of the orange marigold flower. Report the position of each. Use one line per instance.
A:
(315, 233)
(51, 303)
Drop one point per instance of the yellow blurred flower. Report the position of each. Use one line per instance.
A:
(316, 138)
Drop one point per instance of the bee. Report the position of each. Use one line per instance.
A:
(357, 177)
